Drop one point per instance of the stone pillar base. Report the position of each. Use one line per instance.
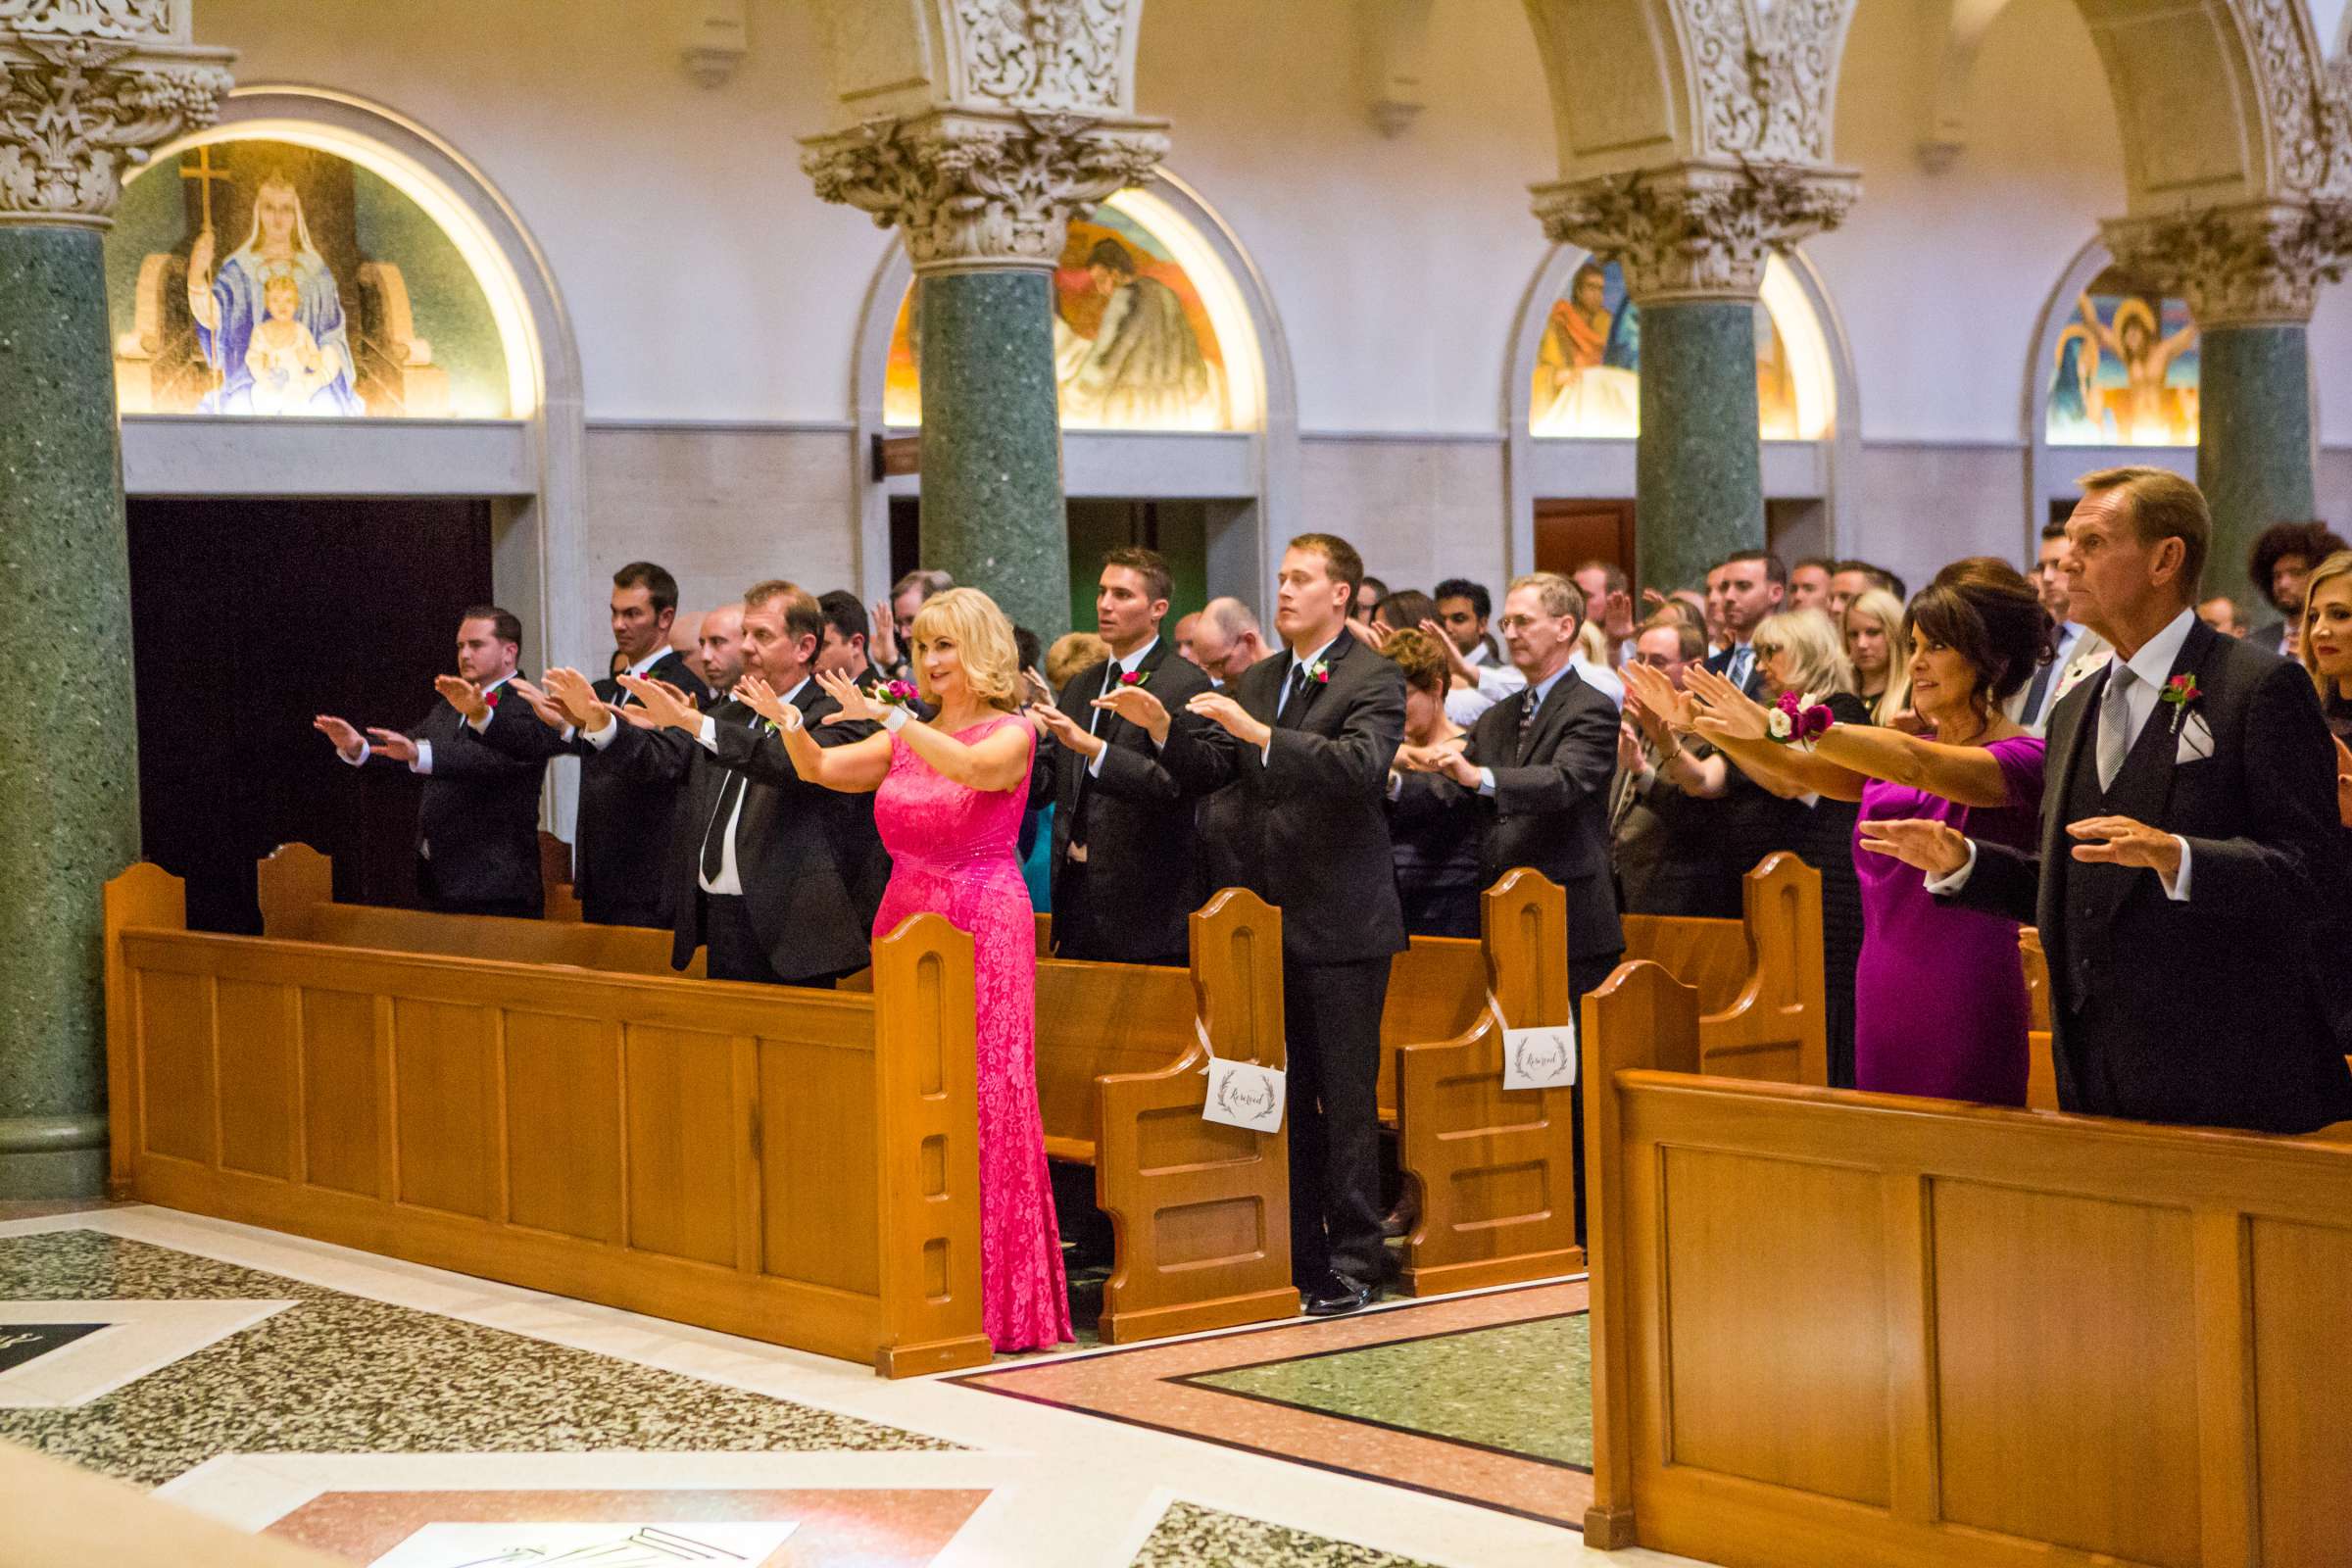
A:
(52, 1157)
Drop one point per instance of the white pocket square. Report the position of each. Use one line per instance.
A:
(2196, 740)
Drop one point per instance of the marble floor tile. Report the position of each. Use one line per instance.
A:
(115, 1343)
(338, 1372)
(1192, 1537)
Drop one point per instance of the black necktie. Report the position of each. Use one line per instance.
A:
(1110, 683)
(714, 837)
(2038, 691)
(1296, 690)
(1527, 718)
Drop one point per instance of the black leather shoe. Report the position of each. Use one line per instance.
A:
(1335, 1295)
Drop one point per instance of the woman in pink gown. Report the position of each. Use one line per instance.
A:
(951, 793)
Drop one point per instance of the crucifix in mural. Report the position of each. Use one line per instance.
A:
(272, 279)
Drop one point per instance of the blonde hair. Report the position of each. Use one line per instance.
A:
(1071, 653)
(2336, 566)
(1814, 646)
(1888, 610)
(992, 664)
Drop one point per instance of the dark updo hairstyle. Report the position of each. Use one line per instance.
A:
(1417, 653)
(1985, 611)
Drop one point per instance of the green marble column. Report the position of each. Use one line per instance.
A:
(2254, 454)
(993, 511)
(1699, 466)
(69, 743)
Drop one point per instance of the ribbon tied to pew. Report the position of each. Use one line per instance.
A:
(1539, 1058)
(1241, 1094)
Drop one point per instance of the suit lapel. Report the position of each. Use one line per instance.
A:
(1548, 717)
(2156, 753)
(1294, 712)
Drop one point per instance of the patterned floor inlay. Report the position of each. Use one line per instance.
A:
(333, 1373)
(860, 1528)
(1480, 1399)
(1189, 1537)
(1522, 1388)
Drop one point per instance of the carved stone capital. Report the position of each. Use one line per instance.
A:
(1765, 76)
(86, 88)
(969, 191)
(1697, 230)
(2241, 265)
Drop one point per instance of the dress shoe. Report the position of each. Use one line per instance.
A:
(1334, 1296)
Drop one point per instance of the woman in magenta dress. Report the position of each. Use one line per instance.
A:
(1939, 993)
(951, 793)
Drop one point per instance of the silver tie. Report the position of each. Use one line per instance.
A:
(2115, 724)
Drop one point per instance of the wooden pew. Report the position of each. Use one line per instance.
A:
(1493, 1171)
(1201, 1212)
(1838, 1326)
(296, 889)
(1759, 981)
(555, 879)
(798, 1166)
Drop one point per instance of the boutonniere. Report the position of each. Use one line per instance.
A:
(2180, 693)
(490, 698)
(891, 694)
(1135, 677)
(1320, 669)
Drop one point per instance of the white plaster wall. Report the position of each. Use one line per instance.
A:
(1416, 510)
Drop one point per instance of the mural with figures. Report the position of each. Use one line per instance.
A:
(271, 280)
(2125, 371)
(1588, 380)
(1134, 345)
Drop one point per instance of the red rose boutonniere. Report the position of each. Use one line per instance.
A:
(1320, 669)
(2180, 693)
(490, 698)
(1135, 677)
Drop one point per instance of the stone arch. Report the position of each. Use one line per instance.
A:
(1260, 461)
(539, 457)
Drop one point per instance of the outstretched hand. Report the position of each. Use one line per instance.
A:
(1139, 707)
(464, 696)
(345, 737)
(1065, 730)
(1231, 716)
(883, 644)
(393, 743)
(1936, 847)
(2122, 841)
(754, 693)
(576, 697)
(550, 713)
(1726, 711)
(1659, 696)
(1456, 662)
(855, 706)
(668, 706)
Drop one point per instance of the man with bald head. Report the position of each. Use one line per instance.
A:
(1227, 640)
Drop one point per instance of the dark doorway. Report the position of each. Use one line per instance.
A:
(249, 619)
(1569, 533)
(1178, 529)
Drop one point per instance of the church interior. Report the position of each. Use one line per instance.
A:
(335, 1229)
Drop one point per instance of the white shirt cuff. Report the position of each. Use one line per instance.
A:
(1956, 880)
(1396, 783)
(2178, 888)
(1485, 781)
(1266, 753)
(602, 738)
(360, 761)
(425, 758)
(481, 725)
(708, 734)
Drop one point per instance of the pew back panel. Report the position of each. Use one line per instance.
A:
(296, 883)
(792, 1165)
(1832, 1326)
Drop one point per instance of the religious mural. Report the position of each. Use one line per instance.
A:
(274, 281)
(2125, 372)
(1588, 380)
(1134, 348)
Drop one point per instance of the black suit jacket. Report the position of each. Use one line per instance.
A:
(1135, 819)
(2214, 1011)
(810, 882)
(1306, 828)
(620, 865)
(478, 820)
(1550, 806)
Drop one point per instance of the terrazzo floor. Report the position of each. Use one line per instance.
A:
(391, 1414)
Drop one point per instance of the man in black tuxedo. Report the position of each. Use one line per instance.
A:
(477, 827)
(1125, 875)
(1749, 821)
(621, 868)
(777, 877)
(1306, 738)
(2189, 843)
(1542, 762)
(847, 632)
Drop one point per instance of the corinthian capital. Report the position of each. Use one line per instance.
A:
(2238, 266)
(970, 191)
(1698, 231)
(86, 88)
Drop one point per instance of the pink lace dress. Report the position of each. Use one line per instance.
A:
(953, 852)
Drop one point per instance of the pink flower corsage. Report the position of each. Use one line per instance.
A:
(1797, 720)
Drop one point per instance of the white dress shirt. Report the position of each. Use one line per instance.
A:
(728, 884)
(2152, 666)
